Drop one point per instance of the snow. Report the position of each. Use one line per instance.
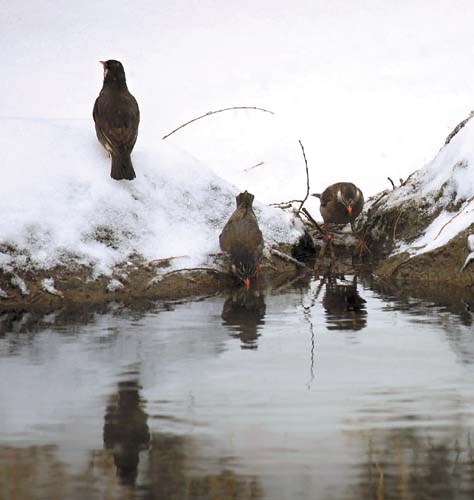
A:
(47, 284)
(447, 180)
(371, 88)
(60, 204)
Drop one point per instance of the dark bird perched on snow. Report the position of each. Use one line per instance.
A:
(341, 203)
(470, 246)
(116, 116)
(242, 239)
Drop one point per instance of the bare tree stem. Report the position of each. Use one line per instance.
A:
(209, 113)
(307, 177)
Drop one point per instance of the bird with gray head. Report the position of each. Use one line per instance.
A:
(242, 240)
(341, 203)
(116, 117)
(470, 246)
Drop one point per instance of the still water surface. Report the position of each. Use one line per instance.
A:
(308, 393)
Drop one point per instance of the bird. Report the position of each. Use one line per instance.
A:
(341, 203)
(116, 117)
(242, 240)
(470, 246)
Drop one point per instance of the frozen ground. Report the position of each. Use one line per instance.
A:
(371, 89)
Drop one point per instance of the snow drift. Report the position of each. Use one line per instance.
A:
(60, 206)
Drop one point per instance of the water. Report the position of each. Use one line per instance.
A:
(306, 393)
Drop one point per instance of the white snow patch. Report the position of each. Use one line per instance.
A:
(59, 204)
(47, 284)
(20, 283)
(114, 285)
(452, 172)
(3, 294)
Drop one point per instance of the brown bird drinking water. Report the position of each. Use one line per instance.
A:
(116, 116)
(242, 239)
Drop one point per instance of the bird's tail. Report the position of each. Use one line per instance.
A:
(122, 167)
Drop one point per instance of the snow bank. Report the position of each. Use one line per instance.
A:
(445, 186)
(60, 206)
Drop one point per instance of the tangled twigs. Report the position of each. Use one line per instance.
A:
(307, 177)
(209, 113)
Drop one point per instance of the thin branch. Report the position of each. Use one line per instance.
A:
(307, 177)
(254, 166)
(395, 226)
(193, 269)
(391, 182)
(161, 277)
(452, 218)
(385, 193)
(286, 257)
(209, 113)
(165, 259)
(310, 218)
(285, 203)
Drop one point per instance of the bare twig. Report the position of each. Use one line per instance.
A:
(254, 166)
(209, 113)
(161, 277)
(307, 177)
(395, 225)
(159, 261)
(286, 257)
(452, 218)
(380, 197)
(285, 203)
(391, 182)
(310, 218)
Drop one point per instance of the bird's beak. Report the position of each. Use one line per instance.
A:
(102, 62)
(349, 209)
(247, 283)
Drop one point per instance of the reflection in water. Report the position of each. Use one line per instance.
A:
(411, 464)
(244, 311)
(345, 308)
(126, 430)
(388, 417)
(169, 476)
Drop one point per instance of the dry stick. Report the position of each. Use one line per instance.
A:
(254, 166)
(395, 226)
(452, 218)
(391, 182)
(286, 257)
(191, 269)
(213, 113)
(158, 261)
(285, 203)
(308, 215)
(307, 177)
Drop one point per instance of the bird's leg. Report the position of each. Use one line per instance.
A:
(360, 241)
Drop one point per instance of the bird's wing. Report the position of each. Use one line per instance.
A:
(117, 124)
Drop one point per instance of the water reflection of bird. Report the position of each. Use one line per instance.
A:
(116, 116)
(242, 239)
(244, 312)
(126, 430)
(345, 308)
(470, 246)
